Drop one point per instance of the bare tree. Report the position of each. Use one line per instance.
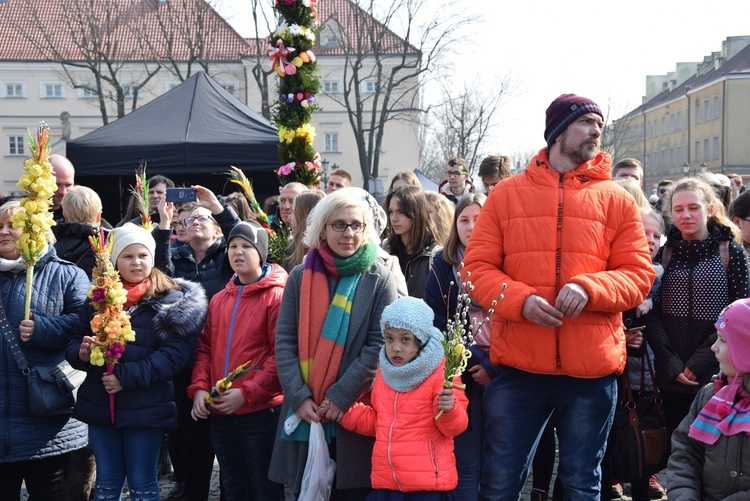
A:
(389, 50)
(93, 41)
(261, 70)
(461, 124)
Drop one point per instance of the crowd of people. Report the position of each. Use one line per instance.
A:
(572, 275)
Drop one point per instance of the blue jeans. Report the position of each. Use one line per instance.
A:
(243, 445)
(517, 406)
(126, 452)
(467, 446)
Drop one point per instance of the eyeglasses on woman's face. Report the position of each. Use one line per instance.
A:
(340, 226)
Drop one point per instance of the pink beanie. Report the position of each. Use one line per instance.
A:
(734, 325)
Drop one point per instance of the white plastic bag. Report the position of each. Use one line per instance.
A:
(317, 479)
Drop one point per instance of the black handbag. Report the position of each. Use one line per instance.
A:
(50, 390)
(640, 440)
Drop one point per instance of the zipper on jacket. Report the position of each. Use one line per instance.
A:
(231, 329)
(558, 261)
(434, 459)
(390, 442)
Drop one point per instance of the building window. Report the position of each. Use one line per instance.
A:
(705, 149)
(14, 90)
(87, 93)
(15, 145)
(331, 86)
(331, 142)
(678, 121)
(697, 112)
(715, 149)
(52, 91)
(697, 152)
(370, 87)
(706, 111)
(716, 107)
(648, 161)
(230, 88)
(663, 125)
(671, 123)
(671, 156)
(664, 157)
(678, 155)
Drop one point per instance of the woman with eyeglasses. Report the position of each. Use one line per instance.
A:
(411, 236)
(203, 259)
(328, 340)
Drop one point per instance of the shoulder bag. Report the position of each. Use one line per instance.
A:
(50, 391)
(639, 436)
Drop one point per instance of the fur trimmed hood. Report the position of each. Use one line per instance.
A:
(181, 313)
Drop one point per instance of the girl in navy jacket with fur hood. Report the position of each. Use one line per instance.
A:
(166, 315)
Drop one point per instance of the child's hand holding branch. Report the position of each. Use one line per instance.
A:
(445, 399)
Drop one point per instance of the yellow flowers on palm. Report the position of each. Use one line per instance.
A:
(305, 132)
(34, 219)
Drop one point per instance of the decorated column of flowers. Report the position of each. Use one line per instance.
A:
(110, 323)
(35, 219)
(290, 51)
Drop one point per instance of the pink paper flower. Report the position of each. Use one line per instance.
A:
(287, 169)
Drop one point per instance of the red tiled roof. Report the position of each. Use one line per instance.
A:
(362, 28)
(125, 24)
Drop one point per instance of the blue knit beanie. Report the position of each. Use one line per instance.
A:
(413, 315)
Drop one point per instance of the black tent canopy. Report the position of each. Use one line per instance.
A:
(197, 127)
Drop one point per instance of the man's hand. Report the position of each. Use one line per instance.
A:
(536, 309)
(571, 299)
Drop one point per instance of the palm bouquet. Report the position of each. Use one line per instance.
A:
(459, 334)
(35, 219)
(225, 383)
(110, 323)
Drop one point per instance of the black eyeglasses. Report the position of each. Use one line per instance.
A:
(340, 226)
(455, 173)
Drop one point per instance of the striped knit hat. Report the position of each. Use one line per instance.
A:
(564, 110)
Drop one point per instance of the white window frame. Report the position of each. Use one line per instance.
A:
(331, 86)
(13, 144)
(331, 142)
(44, 86)
(16, 86)
(369, 87)
(87, 94)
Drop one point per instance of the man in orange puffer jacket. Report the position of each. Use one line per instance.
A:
(570, 246)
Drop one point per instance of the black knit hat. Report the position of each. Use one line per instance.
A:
(254, 233)
(564, 110)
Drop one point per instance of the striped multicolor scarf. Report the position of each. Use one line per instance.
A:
(724, 414)
(323, 327)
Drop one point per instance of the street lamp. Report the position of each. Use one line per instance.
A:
(686, 169)
(325, 163)
(704, 167)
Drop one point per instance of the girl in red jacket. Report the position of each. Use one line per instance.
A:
(240, 327)
(413, 451)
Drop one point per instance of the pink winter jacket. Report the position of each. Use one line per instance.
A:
(413, 451)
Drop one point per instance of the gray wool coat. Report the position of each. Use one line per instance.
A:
(376, 290)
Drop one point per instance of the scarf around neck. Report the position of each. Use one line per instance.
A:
(727, 413)
(135, 292)
(410, 375)
(324, 326)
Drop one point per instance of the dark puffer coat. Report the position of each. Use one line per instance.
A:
(694, 289)
(165, 333)
(59, 291)
(73, 245)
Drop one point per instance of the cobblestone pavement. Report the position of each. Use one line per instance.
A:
(165, 485)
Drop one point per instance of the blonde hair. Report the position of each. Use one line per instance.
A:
(649, 212)
(633, 188)
(339, 199)
(81, 205)
(444, 217)
(718, 217)
(9, 209)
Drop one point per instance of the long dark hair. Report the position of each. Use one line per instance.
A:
(450, 254)
(413, 204)
(160, 285)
